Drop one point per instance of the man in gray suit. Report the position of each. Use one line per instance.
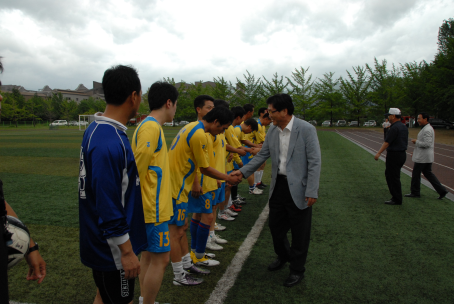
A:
(423, 156)
(293, 147)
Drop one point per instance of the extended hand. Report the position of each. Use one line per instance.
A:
(255, 151)
(377, 156)
(37, 267)
(310, 201)
(413, 141)
(242, 152)
(235, 178)
(131, 265)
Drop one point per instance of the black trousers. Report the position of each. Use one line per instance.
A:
(285, 216)
(3, 270)
(425, 169)
(395, 160)
(385, 131)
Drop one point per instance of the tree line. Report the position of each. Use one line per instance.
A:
(366, 92)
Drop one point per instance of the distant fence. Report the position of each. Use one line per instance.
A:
(24, 123)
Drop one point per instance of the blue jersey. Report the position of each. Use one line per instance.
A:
(110, 203)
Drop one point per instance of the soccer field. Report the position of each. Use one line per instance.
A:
(361, 251)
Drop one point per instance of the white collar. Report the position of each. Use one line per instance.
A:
(289, 125)
(99, 118)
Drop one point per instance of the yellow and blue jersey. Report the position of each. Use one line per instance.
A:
(219, 150)
(208, 184)
(152, 159)
(262, 130)
(188, 152)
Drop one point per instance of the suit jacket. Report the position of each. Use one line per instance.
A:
(424, 150)
(303, 161)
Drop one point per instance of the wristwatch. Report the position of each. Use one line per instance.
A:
(31, 249)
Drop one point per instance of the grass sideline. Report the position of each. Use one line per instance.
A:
(361, 250)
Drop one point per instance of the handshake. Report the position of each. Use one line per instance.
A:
(234, 178)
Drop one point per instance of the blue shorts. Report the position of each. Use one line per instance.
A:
(179, 213)
(202, 204)
(158, 237)
(220, 194)
(235, 166)
(246, 159)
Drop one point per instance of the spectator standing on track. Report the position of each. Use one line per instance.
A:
(423, 156)
(396, 143)
(386, 126)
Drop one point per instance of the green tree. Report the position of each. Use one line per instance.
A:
(302, 91)
(33, 106)
(329, 99)
(57, 101)
(355, 90)
(274, 86)
(248, 91)
(11, 107)
(445, 33)
(222, 89)
(415, 87)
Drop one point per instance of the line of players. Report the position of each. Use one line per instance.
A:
(120, 184)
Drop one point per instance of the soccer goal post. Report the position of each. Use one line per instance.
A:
(84, 121)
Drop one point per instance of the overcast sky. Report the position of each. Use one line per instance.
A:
(64, 43)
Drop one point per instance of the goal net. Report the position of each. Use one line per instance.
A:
(84, 121)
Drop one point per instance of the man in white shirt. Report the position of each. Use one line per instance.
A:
(295, 155)
(423, 156)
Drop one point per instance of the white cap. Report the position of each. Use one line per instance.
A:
(393, 111)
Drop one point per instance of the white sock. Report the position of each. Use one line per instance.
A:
(260, 175)
(230, 202)
(212, 233)
(256, 177)
(187, 261)
(140, 300)
(178, 270)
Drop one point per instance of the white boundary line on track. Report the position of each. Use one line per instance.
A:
(223, 286)
(426, 183)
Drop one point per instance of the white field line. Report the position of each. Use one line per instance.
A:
(408, 172)
(223, 286)
(406, 152)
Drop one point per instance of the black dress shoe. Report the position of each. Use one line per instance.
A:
(391, 202)
(293, 279)
(276, 264)
(412, 195)
(442, 195)
(261, 183)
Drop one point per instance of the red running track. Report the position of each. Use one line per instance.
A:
(443, 166)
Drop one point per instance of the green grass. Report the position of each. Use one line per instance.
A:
(361, 251)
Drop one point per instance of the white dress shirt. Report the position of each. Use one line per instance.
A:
(284, 140)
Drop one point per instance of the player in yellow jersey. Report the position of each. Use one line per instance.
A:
(150, 152)
(263, 122)
(188, 152)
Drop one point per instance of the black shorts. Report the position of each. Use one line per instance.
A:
(113, 287)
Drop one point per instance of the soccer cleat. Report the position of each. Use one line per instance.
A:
(238, 202)
(255, 191)
(216, 238)
(230, 212)
(219, 227)
(187, 280)
(239, 197)
(224, 216)
(196, 270)
(260, 186)
(234, 209)
(205, 261)
(211, 245)
(210, 255)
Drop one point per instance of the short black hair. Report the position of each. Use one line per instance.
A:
(199, 101)
(119, 82)
(220, 103)
(253, 123)
(223, 115)
(248, 108)
(159, 93)
(281, 102)
(262, 110)
(266, 115)
(424, 115)
(238, 112)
